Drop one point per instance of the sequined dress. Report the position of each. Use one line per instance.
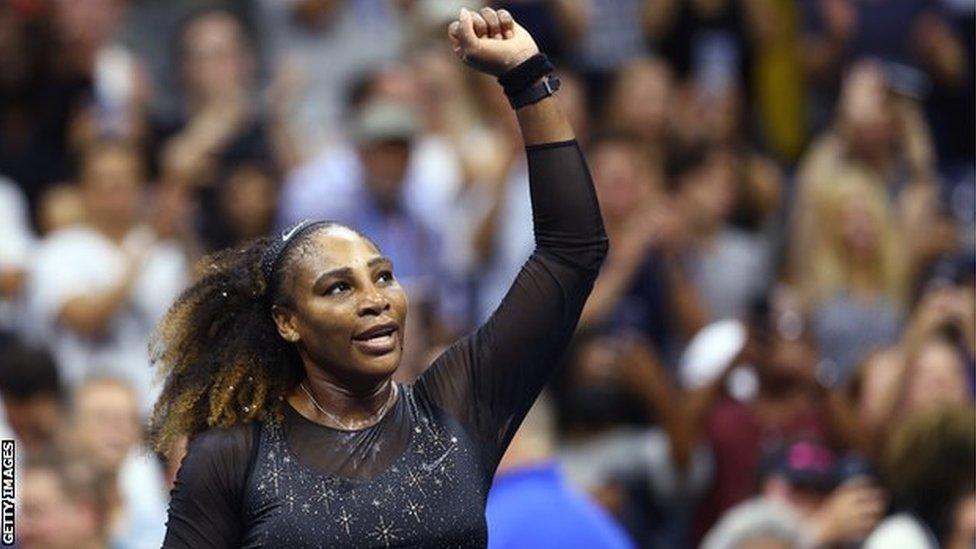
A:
(420, 476)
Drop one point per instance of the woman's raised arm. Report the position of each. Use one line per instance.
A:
(489, 379)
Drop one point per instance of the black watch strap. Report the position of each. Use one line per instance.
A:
(539, 91)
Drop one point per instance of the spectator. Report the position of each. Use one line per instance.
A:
(730, 267)
(531, 504)
(938, 376)
(643, 284)
(711, 45)
(910, 35)
(928, 463)
(248, 202)
(801, 482)
(63, 504)
(856, 285)
(611, 35)
(641, 102)
(26, 116)
(33, 398)
(782, 395)
(54, 75)
(884, 138)
(221, 123)
(757, 523)
(16, 243)
(61, 206)
(97, 288)
(432, 173)
(930, 367)
(107, 430)
(626, 441)
(330, 43)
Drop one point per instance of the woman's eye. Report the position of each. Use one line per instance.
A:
(337, 288)
(385, 276)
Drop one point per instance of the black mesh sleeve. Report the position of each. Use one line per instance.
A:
(206, 500)
(489, 379)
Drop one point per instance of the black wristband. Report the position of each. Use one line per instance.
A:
(535, 93)
(521, 78)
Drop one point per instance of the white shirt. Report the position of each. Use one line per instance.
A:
(144, 499)
(732, 272)
(900, 531)
(16, 241)
(79, 260)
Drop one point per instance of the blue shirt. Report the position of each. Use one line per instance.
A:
(533, 507)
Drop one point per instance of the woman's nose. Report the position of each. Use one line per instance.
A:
(374, 302)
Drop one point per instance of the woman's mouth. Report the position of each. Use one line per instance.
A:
(378, 340)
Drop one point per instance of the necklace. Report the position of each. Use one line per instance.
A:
(335, 419)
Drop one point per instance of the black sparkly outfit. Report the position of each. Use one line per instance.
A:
(420, 476)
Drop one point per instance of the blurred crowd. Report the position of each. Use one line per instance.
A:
(778, 352)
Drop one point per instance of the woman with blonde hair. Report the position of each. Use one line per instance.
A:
(857, 249)
(855, 284)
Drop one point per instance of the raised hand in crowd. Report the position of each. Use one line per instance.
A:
(851, 511)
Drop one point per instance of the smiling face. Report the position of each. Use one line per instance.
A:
(345, 311)
(106, 418)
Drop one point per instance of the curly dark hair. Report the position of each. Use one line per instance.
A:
(218, 347)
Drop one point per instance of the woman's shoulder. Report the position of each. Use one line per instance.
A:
(227, 445)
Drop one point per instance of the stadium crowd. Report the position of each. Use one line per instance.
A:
(779, 348)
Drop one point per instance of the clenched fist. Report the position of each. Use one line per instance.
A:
(490, 41)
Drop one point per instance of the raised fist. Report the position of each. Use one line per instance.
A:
(490, 40)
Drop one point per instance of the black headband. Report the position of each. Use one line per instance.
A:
(277, 248)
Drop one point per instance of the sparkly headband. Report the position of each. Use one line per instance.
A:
(278, 247)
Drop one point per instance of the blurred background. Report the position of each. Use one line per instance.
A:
(779, 350)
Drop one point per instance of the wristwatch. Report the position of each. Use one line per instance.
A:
(530, 82)
(535, 93)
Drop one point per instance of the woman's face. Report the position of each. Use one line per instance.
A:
(710, 190)
(858, 226)
(642, 99)
(347, 311)
(48, 517)
(248, 202)
(111, 186)
(215, 57)
(617, 176)
(938, 378)
(106, 418)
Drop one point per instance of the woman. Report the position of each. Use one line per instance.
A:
(855, 286)
(280, 363)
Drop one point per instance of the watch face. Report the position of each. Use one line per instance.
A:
(551, 83)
